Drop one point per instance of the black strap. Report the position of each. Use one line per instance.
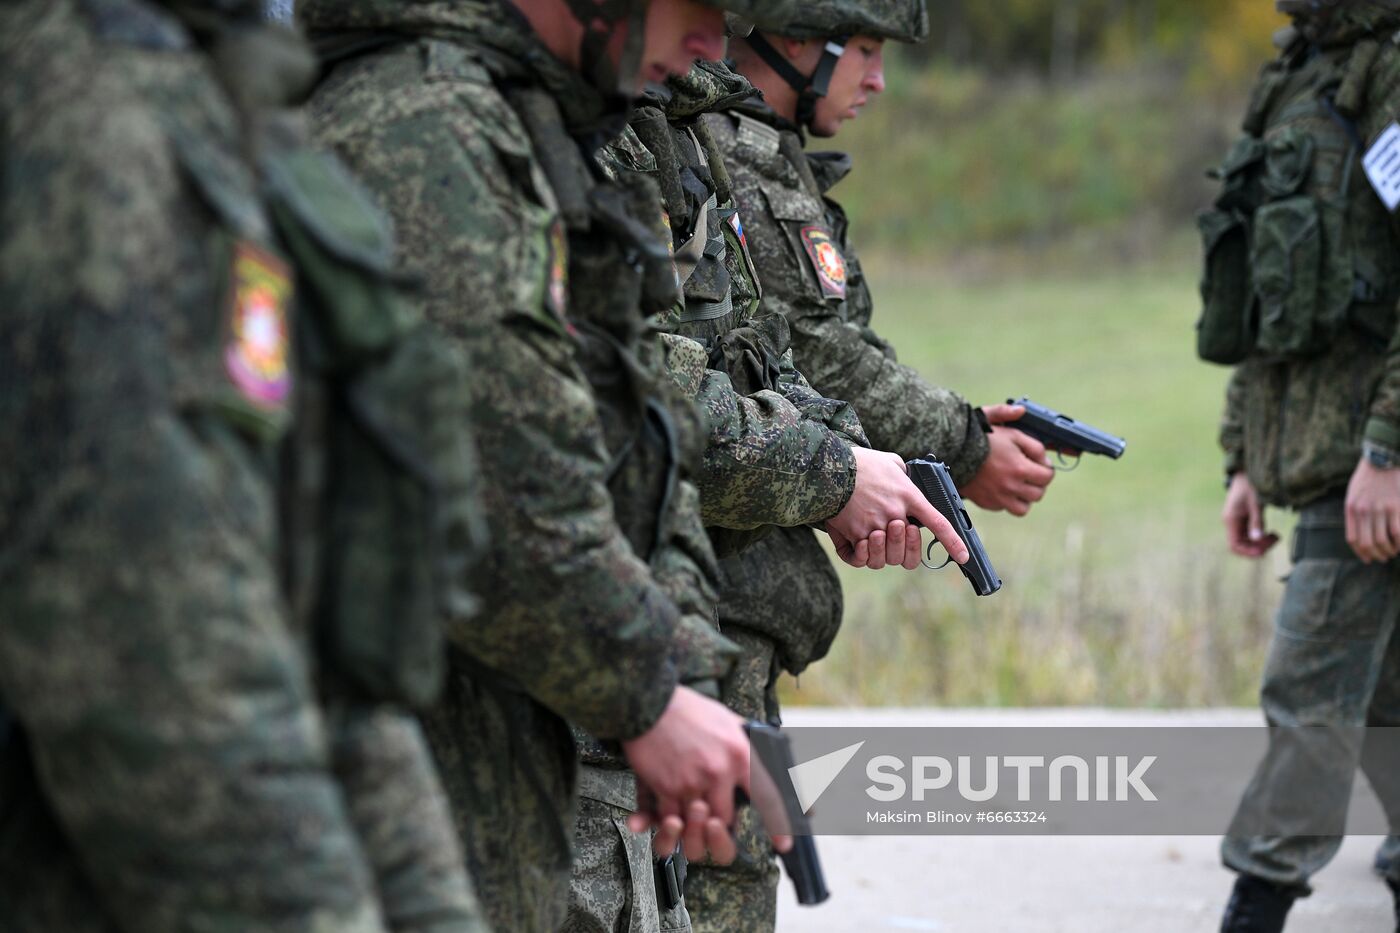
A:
(809, 88)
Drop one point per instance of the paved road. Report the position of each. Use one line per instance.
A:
(1163, 884)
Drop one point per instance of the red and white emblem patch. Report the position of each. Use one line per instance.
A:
(259, 342)
(827, 260)
(557, 289)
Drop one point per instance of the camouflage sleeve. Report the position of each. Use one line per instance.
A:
(764, 462)
(146, 650)
(1232, 423)
(570, 612)
(1383, 107)
(901, 411)
(687, 571)
(838, 415)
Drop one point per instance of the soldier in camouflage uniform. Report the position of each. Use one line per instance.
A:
(777, 452)
(782, 600)
(172, 549)
(477, 132)
(1301, 284)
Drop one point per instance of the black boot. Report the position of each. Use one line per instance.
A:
(1257, 906)
(1395, 890)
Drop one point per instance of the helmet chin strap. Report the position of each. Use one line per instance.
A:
(809, 88)
(600, 20)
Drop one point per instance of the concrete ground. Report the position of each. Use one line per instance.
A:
(1072, 884)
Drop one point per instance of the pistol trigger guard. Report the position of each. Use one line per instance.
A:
(928, 558)
(1067, 464)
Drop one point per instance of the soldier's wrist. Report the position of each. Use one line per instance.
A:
(1380, 456)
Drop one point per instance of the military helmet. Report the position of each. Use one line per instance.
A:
(837, 21)
(742, 16)
(898, 20)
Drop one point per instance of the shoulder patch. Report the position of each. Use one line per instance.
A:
(827, 261)
(557, 289)
(257, 351)
(757, 135)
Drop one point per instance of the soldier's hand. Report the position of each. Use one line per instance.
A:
(1015, 474)
(899, 545)
(1244, 520)
(697, 750)
(1373, 513)
(884, 494)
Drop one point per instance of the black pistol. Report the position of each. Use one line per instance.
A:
(772, 792)
(936, 483)
(1062, 433)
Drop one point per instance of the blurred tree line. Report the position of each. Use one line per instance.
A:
(1061, 39)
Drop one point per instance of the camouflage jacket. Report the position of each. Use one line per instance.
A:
(473, 135)
(1324, 368)
(777, 453)
(812, 276)
(175, 768)
(782, 586)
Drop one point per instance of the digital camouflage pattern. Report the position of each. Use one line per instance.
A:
(899, 20)
(613, 886)
(1323, 371)
(744, 894)
(776, 453)
(812, 276)
(781, 597)
(165, 775)
(1334, 661)
(472, 135)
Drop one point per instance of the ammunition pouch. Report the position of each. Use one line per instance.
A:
(1297, 247)
(380, 555)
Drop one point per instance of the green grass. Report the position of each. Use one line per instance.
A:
(1119, 588)
(950, 159)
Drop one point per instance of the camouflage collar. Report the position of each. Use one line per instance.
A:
(708, 87)
(758, 109)
(828, 168)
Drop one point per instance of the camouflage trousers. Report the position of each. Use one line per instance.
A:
(1334, 661)
(742, 897)
(613, 885)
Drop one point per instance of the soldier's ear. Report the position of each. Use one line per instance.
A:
(796, 49)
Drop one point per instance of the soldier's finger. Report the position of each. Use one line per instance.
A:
(697, 815)
(1028, 492)
(934, 521)
(1019, 507)
(894, 541)
(720, 842)
(1380, 533)
(1001, 414)
(668, 836)
(913, 549)
(1359, 533)
(1032, 448)
(877, 550)
(1393, 523)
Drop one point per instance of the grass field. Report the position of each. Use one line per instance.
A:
(1119, 588)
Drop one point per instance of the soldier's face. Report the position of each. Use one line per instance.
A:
(678, 33)
(859, 76)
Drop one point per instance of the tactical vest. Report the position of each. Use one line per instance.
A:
(720, 282)
(377, 478)
(1297, 245)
